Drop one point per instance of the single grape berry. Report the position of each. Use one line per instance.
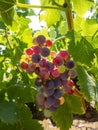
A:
(64, 54)
(41, 40)
(70, 64)
(58, 61)
(24, 65)
(55, 73)
(45, 52)
(29, 51)
(49, 66)
(49, 43)
(31, 68)
(36, 49)
(36, 58)
(72, 73)
(70, 83)
(42, 63)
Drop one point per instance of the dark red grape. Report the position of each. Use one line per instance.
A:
(58, 61)
(45, 52)
(41, 39)
(36, 58)
(24, 65)
(71, 92)
(70, 64)
(49, 66)
(37, 70)
(36, 49)
(44, 74)
(43, 62)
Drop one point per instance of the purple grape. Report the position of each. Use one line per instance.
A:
(72, 73)
(57, 94)
(57, 103)
(57, 82)
(50, 84)
(45, 52)
(41, 39)
(36, 58)
(37, 71)
(52, 109)
(50, 100)
(38, 82)
(48, 92)
(70, 64)
(43, 62)
(49, 66)
(64, 75)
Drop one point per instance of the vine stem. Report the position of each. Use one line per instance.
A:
(40, 6)
(69, 15)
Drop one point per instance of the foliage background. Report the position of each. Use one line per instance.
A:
(16, 87)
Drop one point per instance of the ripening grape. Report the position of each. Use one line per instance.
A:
(57, 94)
(55, 73)
(70, 83)
(49, 66)
(58, 61)
(41, 40)
(36, 58)
(70, 64)
(36, 49)
(24, 65)
(71, 92)
(57, 103)
(48, 92)
(57, 82)
(29, 51)
(48, 43)
(49, 84)
(52, 109)
(47, 113)
(45, 52)
(64, 54)
(43, 62)
(64, 75)
(61, 68)
(44, 74)
(38, 81)
(72, 73)
(31, 68)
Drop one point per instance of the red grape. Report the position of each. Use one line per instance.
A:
(24, 65)
(58, 61)
(29, 51)
(64, 54)
(49, 43)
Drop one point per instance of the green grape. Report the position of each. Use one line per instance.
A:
(47, 113)
(61, 68)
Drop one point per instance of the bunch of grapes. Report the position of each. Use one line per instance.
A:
(55, 73)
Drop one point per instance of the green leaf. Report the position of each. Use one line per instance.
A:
(8, 113)
(25, 119)
(81, 7)
(51, 17)
(86, 83)
(7, 10)
(63, 116)
(81, 49)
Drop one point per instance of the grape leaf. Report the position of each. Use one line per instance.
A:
(8, 113)
(86, 83)
(63, 116)
(7, 10)
(25, 118)
(81, 49)
(50, 16)
(81, 7)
